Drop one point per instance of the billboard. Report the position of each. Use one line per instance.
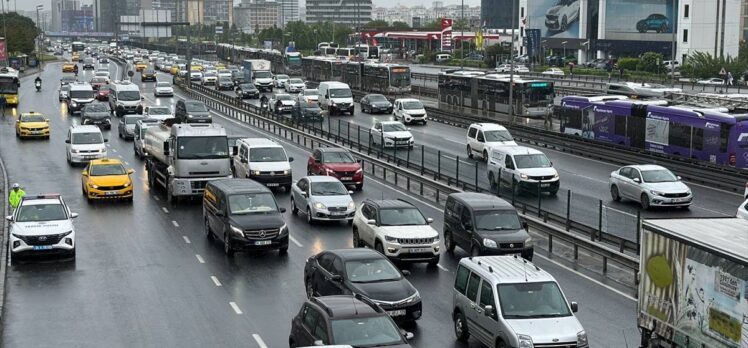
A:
(639, 20)
(77, 20)
(555, 18)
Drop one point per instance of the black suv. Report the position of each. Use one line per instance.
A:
(365, 272)
(345, 320)
(244, 215)
(484, 224)
(192, 111)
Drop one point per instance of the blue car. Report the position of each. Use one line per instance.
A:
(656, 22)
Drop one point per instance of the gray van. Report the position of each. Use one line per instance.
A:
(506, 301)
(484, 224)
(244, 215)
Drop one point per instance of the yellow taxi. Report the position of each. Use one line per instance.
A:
(196, 67)
(76, 57)
(220, 66)
(68, 67)
(174, 69)
(141, 65)
(107, 178)
(32, 125)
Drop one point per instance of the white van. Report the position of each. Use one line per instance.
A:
(523, 169)
(125, 98)
(263, 160)
(482, 137)
(443, 57)
(84, 143)
(336, 97)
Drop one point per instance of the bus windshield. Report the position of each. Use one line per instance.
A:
(539, 96)
(400, 77)
(8, 85)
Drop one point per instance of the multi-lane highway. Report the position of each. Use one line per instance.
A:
(145, 275)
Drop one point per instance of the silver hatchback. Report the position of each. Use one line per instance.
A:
(322, 198)
(650, 185)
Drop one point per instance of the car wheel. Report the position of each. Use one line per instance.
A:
(615, 194)
(449, 242)
(379, 247)
(309, 289)
(491, 180)
(485, 156)
(309, 218)
(356, 239)
(359, 187)
(469, 152)
(645, 201)
(294, 209)
(227, 249)
(460, 326)
(435, 261)
(208, 232)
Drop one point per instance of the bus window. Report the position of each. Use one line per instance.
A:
(724, 137)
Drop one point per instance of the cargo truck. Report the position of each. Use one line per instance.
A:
(259, 72)
(693, 289)
(182, 158)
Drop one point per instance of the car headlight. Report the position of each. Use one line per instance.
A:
(351, 205)
(359, 170)
(390, 239)
(555, 176)
(319, 205)
(523, 176)
(73, 103)
(284, 229)
(93, 186)
(414, 298)
(237, 231)
(582, 339)
(528, 242)
(489, 243)
(656, 193)
(437, 237)
(329, 171)
(127, 184)
(73, 151)
(525, 341)
(255, 172)
(189, 116)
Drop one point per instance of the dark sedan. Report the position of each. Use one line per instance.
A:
(224, 83)
(306, 112)
(247, 90)
(97, 114)
(365, 272)
(148, 75)
(374, 103)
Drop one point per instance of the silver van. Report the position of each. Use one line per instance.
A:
(506, 301)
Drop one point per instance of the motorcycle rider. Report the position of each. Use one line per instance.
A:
(38, 83)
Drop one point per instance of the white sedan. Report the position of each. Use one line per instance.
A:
(294, 85)
(712, 81)
(391, 133)
(322, 198)
(743, 210)
(554, 72)
(163, 88)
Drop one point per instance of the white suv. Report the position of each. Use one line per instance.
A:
(522, 169)
(85, 143)
(409, 111)
(398, 230)
(42, 225)
(482, 137)
(390, 134)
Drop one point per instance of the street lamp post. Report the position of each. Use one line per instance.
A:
(462, 34)
(511, 66)
(38, 38)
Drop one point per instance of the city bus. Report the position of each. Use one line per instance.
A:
(367, 52)
(377, 77)
(9, 84)
(320, 69)
(208, 47)
(77, 46)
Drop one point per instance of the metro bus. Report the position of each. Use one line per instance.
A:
(208, 47)
(9, 84)
(367, 52)
(377, 77)
(77, 46)
(292, 62)
(321, 68)
(490, 94)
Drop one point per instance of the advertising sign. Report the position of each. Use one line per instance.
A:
(554, 18)
(219, 30)
(694, 293)
(639, 20)
(532, 43)
(77, 20)
(446, 34)
(3, 51)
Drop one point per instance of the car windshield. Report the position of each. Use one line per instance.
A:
(262, 74)
(202, 147)
(81, 94)
(393, 127)
(412, 105)
(98, 79)
(283, 97)
(132, 119)
(337, 157)
(330, 188)
(377, 98)
(296, 81)
(311, 92)
(149, 72)
(370, 271)
(41, 212)
(366, 332)
(267, 154)
(532, 161)
(340, 93)
(496, 220)
(163, 84)
(497, 135)
(210, 74)
(107, 169)
(281, 77)
(252, 203)
(532, 300)
(225, 79)
(128, 95)
(98, 107)
(159, 111)
(195, 107)
(658, 175)
(32, 118)
(87, 138)
(247, 86)
(401, 216)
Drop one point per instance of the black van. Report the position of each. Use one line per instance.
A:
(192, 111)
(244, 215)
(484, 224)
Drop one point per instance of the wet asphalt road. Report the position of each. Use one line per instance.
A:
(145, 275)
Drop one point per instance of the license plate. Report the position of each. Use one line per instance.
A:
(272, 184)
(89, 157)
(418, 250)
(545, 185)
(42, 247)
(337, 214)
(110, 193)
(396, 313)
(347, 178)
(36, 132)
(263, 242)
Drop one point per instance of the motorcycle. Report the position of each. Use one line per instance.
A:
(38, 86)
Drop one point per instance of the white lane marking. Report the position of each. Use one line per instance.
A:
(120, 156)
(259, 341)
(127, 163)
(200, 258)
(186, 240)
(156, 198)
(588, 278)
(295, 241)
(215, 280)
(714, 211)
(442, 267)
(165, 210)
(175, 223)
(236, 308)
(114, 150)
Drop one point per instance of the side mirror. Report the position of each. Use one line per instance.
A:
(73, 215)
(290, 159)
(317, 160)
(106, 140)
(468, 226)
(319, 343)
(220, 213)
(371, 222)
(429, 220)
(67, 141)
(130, 171)
(304, 194)
(409, 335)
(525, 226)
(234, 150)
(359, 161)
(46, 120)
(637, 180)
(84, 173)
(282, 210)
(9, 218)
(405, 272)
(488, 310)
(574, 307)
(679, 178)
(350, 192)
(243, 160)
(142, 97)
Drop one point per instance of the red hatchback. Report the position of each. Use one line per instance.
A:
(338, 163)
(103, 93)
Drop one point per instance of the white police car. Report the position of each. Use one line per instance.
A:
(42, 225)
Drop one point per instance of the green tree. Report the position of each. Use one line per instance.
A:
(21, 32)
(400, 25)
(433, 25)
(704, 65)
(377, 24)
(650, 62)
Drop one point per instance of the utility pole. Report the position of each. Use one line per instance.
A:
(672, 43)
(511, 66)
(462, 35)
(38, 38)
(5, 33)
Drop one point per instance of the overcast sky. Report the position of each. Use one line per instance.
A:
(29, 5)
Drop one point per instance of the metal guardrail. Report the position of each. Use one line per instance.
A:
(413, 178)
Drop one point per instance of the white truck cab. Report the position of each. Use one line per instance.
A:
(263, 160)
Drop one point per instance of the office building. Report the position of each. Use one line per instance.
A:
(218, 11)
(743, 20)
(709, 27)
(497, 14)
(107, 13)
(252, 17)
(60, 9)
(289, 12)
(353, 13)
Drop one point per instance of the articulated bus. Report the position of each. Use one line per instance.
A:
(208, 47)
(9, 84)
(703, 132)
(377, 77)
(320, 69)
(292, 63)
(490, 93)
(367, 52)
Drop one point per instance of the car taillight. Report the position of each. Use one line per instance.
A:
(732, 159)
